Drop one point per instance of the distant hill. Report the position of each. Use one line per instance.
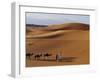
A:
(35, 25)
(69, 26)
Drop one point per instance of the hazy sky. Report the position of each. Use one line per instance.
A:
(47, 18)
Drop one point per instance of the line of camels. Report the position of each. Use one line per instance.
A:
(45, 56)
(37, 56)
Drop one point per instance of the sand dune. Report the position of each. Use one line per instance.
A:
(54, 30)
(47, 35)
(70, 39)
(69, 26)
(62, 35)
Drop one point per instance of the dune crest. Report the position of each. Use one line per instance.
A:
(47, 35)
(69, 26)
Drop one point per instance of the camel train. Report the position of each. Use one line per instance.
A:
(38, 56)
(43, 56)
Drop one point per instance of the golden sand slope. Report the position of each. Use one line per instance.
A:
(70, 40)
(54, 30)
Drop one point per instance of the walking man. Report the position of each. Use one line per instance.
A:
(58, 57)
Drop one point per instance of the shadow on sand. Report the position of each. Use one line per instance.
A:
(63, 59)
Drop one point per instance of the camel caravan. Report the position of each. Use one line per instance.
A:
(39, 56)
(46, 56)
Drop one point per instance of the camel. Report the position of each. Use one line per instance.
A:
(29, 55)
(47, 55)
(37, 56)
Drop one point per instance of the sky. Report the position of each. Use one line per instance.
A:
(47, 18)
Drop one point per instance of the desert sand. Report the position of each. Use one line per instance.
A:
(68, 39)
